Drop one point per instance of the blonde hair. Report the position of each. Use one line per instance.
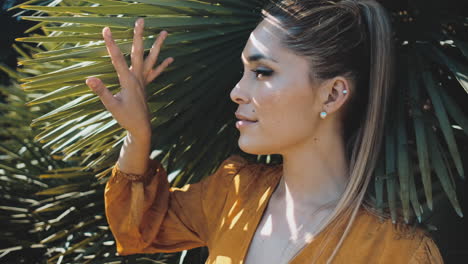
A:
(337, 36)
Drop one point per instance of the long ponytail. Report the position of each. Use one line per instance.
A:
(381, 76)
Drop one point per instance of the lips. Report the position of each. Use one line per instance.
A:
(242, 117)
(244, 123)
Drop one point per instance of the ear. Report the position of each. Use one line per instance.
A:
(333, 90)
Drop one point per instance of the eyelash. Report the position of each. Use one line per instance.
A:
(265, 73)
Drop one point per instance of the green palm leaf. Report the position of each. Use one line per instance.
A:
(73, 124)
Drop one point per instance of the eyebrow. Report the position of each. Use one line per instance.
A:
(257, 57)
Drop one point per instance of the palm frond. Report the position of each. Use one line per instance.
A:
(424, 130)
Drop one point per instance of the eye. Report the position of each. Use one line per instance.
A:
(262, 73)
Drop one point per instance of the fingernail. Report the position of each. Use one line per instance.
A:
(106, 31)
(139, 22)
(91, 83)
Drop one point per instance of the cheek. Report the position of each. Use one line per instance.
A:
(287, 106)
(285, 109)
(286, 113)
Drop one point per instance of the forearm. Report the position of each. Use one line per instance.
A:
(134, 154)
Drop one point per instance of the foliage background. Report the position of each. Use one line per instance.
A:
(57, 138)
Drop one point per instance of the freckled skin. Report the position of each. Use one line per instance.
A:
(285, 103)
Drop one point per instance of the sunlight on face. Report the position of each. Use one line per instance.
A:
(274, 90)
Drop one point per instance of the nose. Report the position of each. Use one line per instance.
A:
(238, 96)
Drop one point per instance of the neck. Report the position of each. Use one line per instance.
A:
(314, 173)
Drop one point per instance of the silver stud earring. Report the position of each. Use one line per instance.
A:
(345, 91)
(323, 114)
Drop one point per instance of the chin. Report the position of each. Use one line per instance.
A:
(253, 147)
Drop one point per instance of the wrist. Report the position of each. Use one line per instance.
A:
(139, 138)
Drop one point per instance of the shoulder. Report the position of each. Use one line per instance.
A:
(224, 173)
(235, 161)
(236, 168)
(231, 166)
(403, 243)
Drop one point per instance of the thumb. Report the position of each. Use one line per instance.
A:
(106, 96)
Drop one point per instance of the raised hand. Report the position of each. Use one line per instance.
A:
(129, 106)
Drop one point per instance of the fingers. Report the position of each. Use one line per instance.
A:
(156, 72)
(138, 48)
(118, 59)
(106, 97)
(154, 52)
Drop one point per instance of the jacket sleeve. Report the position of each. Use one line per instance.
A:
(149, 216)
(427, 253)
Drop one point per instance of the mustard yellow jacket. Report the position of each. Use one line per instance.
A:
(223, 210)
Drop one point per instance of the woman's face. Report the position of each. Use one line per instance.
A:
(276, 92)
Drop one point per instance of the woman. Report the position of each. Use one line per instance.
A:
(315, 89)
